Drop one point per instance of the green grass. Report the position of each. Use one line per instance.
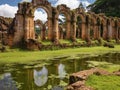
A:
(81, 41)
(104, 65)
(65, 41)
(104, 82)
(46, 42)
(16, 56)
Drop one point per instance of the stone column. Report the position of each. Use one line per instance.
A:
(119, 33)
(96, 33)
(73, 33)
(109, 32)
(116, 33)
(99, 36)
(68, 33)
(50, 31)
(104, 32)
(83, 30)
(92, 28)
(29, 28)
(19, 29)
(87, 32)
(55, 32)
(43, 32)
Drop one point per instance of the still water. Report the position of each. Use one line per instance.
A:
(52, 75)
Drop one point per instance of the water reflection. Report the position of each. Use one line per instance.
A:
(61, 71)
(6, 82)
(41, 77)
(58, 88)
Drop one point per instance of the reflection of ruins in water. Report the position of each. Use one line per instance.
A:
(41, 77)
(58, 88)
(6, 82)
(61, 71)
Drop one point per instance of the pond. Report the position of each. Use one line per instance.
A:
(49, 75)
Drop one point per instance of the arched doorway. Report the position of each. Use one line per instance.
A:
(63, 10)
(31, 9)
(40, 18)
(79, 27)
(98, 28)
(62, 26)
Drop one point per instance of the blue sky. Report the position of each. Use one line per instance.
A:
(8, 8)
(15, 2)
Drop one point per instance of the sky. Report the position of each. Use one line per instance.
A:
(8, 8)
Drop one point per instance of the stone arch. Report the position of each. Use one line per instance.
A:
(63, 9)
(93, 26)
(88, 22)
(79, 12)
(79, 26)
(98, 27)
(114, 25)
(44, 4)
(24, 20)
(103, 26)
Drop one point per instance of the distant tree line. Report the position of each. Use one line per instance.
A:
(109, 7)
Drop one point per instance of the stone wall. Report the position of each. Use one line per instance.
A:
(91, 26)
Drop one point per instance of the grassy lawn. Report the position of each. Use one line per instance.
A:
(104, 82)
(17, 56)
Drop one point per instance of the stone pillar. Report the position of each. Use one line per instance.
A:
(50, 31)
(119, 33)
(83, 30)
(96, 32)
(73, 33)
(104, 32)
(55, 32)
(116, 33)
(68, 33)
(99, 31)
(93, 34)
(109, 32)
(19, 29)
(43, 32)
(87, 32)
(29, 28)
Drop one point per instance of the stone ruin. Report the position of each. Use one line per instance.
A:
(79, 24)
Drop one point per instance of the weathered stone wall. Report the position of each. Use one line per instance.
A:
(91, 27)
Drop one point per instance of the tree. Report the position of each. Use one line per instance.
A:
(109, 7)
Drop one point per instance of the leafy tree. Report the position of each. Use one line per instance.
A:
(109, 7)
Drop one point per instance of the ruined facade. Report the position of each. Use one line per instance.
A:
(79, 24)
(4, 29)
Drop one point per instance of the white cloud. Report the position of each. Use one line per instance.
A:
(42, 15)
(7, 10)
(72, 4)
(26, 0)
